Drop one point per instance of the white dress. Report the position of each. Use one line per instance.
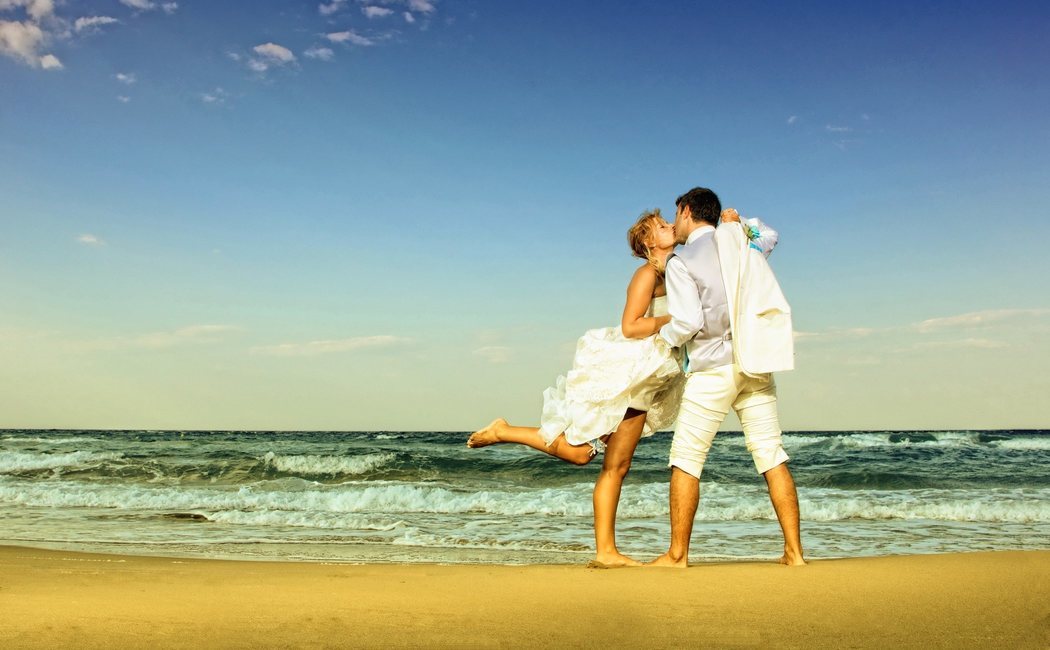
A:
(611, 373)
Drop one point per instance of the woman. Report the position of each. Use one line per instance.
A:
(622, 387)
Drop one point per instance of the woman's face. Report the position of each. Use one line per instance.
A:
(662, 235)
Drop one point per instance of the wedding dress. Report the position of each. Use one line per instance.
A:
(611, 373)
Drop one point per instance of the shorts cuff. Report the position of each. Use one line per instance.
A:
(690, 468)
(766, 460)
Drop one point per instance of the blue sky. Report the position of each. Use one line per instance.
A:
(301, 215)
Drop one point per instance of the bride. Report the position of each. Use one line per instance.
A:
(624, 385)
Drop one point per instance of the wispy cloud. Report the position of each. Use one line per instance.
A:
(327, 9)
(792, 119)
(832, 128)
(976, 319)
(123, 99)
(125, 78)
(422, 6)
(409, 18)
(148, 5)
(91, 240)
(92, 23)
(376, 12)
(350, 36)
(494, 353)
(314, 348)
(958, 331)
(184, 336)
(216, 97)
(322, 53)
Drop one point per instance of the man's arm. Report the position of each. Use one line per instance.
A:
(763, 238)
(683, 304)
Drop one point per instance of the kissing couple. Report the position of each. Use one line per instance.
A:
(704, 328)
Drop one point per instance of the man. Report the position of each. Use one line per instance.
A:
(700, 321)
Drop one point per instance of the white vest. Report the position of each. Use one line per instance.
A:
(759, 315)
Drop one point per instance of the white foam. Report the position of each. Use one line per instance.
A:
(718, 502)
(304, 520)
(53, 441)
(16, 461)
(1038, 444)
(327, 465)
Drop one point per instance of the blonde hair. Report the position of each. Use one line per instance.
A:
(639, 233)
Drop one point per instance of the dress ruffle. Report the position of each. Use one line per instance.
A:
(610, 374)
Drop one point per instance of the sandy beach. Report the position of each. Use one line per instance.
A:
(66, 599)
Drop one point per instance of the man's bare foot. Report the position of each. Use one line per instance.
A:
(612, 561)
(792, 559)
(487, 436)
(667, 561)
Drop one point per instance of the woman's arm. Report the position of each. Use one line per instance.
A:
(639, 294)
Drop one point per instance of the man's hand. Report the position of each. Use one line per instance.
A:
(730, 214)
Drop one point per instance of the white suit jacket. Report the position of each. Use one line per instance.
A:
(759, 315)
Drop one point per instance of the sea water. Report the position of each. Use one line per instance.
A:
(391, 496)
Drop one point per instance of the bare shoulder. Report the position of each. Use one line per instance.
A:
(644, 276)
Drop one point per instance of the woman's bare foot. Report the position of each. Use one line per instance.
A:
(792, 559)
(666, 560)
(612, 561)
(487, 436)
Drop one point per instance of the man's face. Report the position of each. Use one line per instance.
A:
(683, 218)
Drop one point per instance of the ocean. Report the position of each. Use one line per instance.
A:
(425, 497)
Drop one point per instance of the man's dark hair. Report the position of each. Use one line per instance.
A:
(703, 204)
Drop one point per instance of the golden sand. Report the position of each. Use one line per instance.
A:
(63, 599)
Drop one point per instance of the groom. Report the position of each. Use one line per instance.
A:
(700, 321)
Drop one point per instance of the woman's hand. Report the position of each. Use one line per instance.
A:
(730, 214)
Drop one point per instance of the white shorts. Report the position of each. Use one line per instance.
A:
(709, 394)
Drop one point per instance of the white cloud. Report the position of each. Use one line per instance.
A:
(257, 65)
(792, 119)
(125, 78)
(274, 52)
(350, 36)
(322, 53)
(192, 335)
(314, 348)
(837, 129)
(21, 41)
(409, 18)
(90, 240)
(35, 9)
(493, 353)
(123, 99)
(422, 6)
(977, 319)
(376, 12)
(980, 343)
(92, 23)
(989, 329)
(149, 5)
(217, 96)
(50, 62)
(331, 7)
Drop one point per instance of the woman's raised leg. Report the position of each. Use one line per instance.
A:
(619, 450)
(499, 431)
